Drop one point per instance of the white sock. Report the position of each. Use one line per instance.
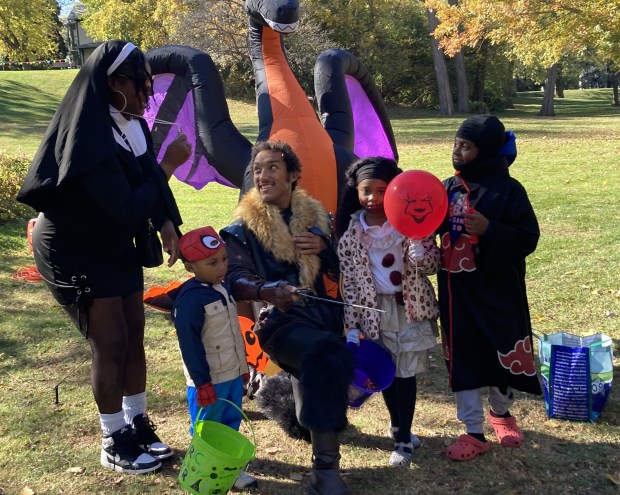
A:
(112, 422)
(133, 405)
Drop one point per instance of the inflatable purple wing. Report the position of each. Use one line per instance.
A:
(351, 107)
(188, 95)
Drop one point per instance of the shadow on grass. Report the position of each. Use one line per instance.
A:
(34, 105)
(432, 473)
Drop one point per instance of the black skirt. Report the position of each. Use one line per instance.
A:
(76, 266)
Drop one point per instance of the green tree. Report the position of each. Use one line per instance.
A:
(29, 29)
(390, 37)
(146, 23)
(537, 33)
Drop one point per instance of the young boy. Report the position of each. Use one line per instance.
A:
(491, 228)
(210, 339)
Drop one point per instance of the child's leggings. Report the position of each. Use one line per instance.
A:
(469, 408)
(220, 411)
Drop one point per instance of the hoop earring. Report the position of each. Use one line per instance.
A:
(124, 99)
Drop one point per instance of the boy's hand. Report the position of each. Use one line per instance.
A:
(475, 223)
(206, 394)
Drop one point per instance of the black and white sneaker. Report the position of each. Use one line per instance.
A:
(144, 431)
(121, 452)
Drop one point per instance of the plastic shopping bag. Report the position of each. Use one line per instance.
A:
(576, 373)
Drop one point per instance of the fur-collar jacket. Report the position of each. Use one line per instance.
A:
(267, 225)
(357, 286)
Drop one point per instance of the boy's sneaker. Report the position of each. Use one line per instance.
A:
(415, 440)
(245, 480)
(120, 452)
(144, 431)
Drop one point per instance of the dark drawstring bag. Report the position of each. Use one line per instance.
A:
(148, 246)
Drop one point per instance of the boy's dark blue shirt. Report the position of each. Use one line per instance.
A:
(188, 315)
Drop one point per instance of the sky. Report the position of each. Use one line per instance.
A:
(65, 7)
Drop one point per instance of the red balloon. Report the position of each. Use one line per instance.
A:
(415, 203)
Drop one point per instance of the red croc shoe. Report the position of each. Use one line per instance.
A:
(466, 448)
(506, 430)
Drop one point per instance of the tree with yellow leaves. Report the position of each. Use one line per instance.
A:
(537, 33)
(29, 29)
(146, 23)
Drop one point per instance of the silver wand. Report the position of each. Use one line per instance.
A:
(322, 299)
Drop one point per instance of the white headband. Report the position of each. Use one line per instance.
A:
(127, 49)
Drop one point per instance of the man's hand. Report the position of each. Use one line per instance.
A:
(309, 243)
(279, 293)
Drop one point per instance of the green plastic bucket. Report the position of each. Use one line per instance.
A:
(215, 457)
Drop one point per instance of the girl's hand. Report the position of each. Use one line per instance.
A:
(170, 241)
(415, 250)
(176, 154)
(475, 222)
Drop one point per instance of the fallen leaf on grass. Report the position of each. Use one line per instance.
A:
(272, 450)
(118, 481)
(296, 476)
(614, 478)
(159, 390)
(76, 470)
(26, 491)
(552, 424)
(443, 422)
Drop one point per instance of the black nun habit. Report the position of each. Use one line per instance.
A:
(93, 194)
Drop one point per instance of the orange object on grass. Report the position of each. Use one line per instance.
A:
(255, 356)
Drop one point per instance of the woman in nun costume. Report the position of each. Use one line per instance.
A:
(97, 185)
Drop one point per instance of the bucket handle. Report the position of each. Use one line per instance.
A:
(247, 420)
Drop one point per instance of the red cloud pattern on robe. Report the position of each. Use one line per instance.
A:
(457, 258)
(520, 359)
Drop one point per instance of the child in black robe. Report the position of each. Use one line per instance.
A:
(487, 339)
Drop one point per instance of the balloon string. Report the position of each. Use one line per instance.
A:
(417, 300)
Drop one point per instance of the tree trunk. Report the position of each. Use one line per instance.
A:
(462, 87)
(446, 105)
(548, 101)
(509, 86)
(614, 86)
(479, 78)
(559, 83)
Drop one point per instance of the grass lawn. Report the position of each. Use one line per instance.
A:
(566, 163)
